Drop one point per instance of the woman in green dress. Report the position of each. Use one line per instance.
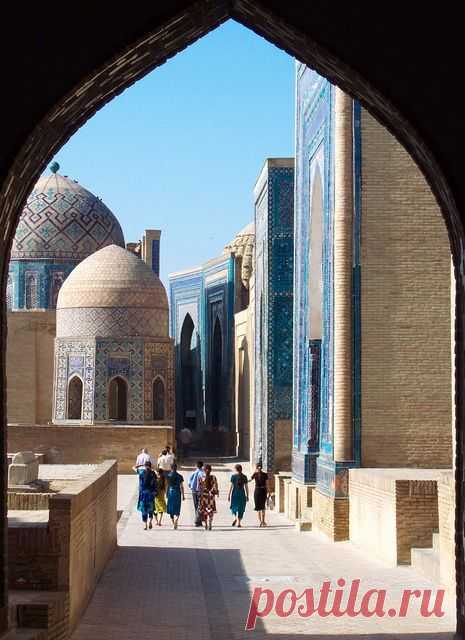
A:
(238, 495)
(160, 499)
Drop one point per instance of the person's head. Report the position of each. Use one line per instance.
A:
(164, 452)
(168, 448)
(238, 468)
(199, 464)
(144, 450)
(148, 464)
(208, 469)
(174, 466)
(259, 467)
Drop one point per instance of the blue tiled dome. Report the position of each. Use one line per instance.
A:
(63, 220)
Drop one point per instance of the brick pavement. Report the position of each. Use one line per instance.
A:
(192, 584)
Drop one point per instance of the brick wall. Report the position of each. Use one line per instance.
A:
(89, 444)
(330, 516)
(70, 552)
(405, 306)
(30, 348)
(392, 511)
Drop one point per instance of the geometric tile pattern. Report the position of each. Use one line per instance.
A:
(105, 353)
(274, 223)
(49, 274)
(159, 363)
(114, 322)
(61, 219)
(74, 357)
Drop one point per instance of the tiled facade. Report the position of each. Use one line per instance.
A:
(274, 253)
(204, 296)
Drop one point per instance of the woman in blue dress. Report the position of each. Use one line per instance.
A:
(147, 493)
(175, 492)
(238, 494)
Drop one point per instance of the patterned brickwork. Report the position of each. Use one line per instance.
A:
(114, 321)
(63, 220)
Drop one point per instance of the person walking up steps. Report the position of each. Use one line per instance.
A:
(147, 493)
(194, 486)
(175, 493)
(208, 491)
(238, 495)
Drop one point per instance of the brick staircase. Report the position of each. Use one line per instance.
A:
(427, 561)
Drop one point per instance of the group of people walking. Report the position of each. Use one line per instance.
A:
(161, 490)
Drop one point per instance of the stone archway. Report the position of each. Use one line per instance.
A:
(118, 399)
(357, 59)
(75, 391)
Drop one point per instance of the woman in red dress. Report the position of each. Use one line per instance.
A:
(208, 486)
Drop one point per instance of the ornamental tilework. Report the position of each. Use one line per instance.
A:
(116, 322)
(71, 358)
(61, 219)
(106, 353)
(159, 362)
(314, 365)
(274, 228)
(48, 275)
(205, 293)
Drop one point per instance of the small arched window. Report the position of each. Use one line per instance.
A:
(158, 399)
(118, 399)
(31, 290)
(75, 389)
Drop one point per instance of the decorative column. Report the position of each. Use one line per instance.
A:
(343, 265)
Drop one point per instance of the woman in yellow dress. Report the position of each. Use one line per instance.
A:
(160, 498)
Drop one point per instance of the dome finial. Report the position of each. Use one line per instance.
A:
(54, 167)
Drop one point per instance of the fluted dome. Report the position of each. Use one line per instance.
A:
(243, 247)
(63, 220)
(112, 293)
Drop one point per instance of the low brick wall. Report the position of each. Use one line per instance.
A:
(330, 516)
(70, 552)
(89, 444)
(393, 510)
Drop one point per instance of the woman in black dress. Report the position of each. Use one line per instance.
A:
(261, 492)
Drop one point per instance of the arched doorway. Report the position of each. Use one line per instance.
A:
(216, 373)
(75, 390)
(118, 399)
(158, 399)
(188, 374)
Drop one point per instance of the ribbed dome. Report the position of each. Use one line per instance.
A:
(243, 247)
(61, 219)
(112, 293)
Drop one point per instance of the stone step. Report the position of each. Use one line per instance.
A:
(426, 562)
(436, 547)
(303, 525)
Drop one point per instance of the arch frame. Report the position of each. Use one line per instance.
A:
(128, 396)
(73, 376)
(171, 33)
(161, 378)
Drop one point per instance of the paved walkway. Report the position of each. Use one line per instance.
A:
(194, 584)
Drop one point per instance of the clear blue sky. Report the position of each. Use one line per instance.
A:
(181, 149)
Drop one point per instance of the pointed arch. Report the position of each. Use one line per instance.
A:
(118, 399)
(75, 393)
(188, 373)
(158, 399)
